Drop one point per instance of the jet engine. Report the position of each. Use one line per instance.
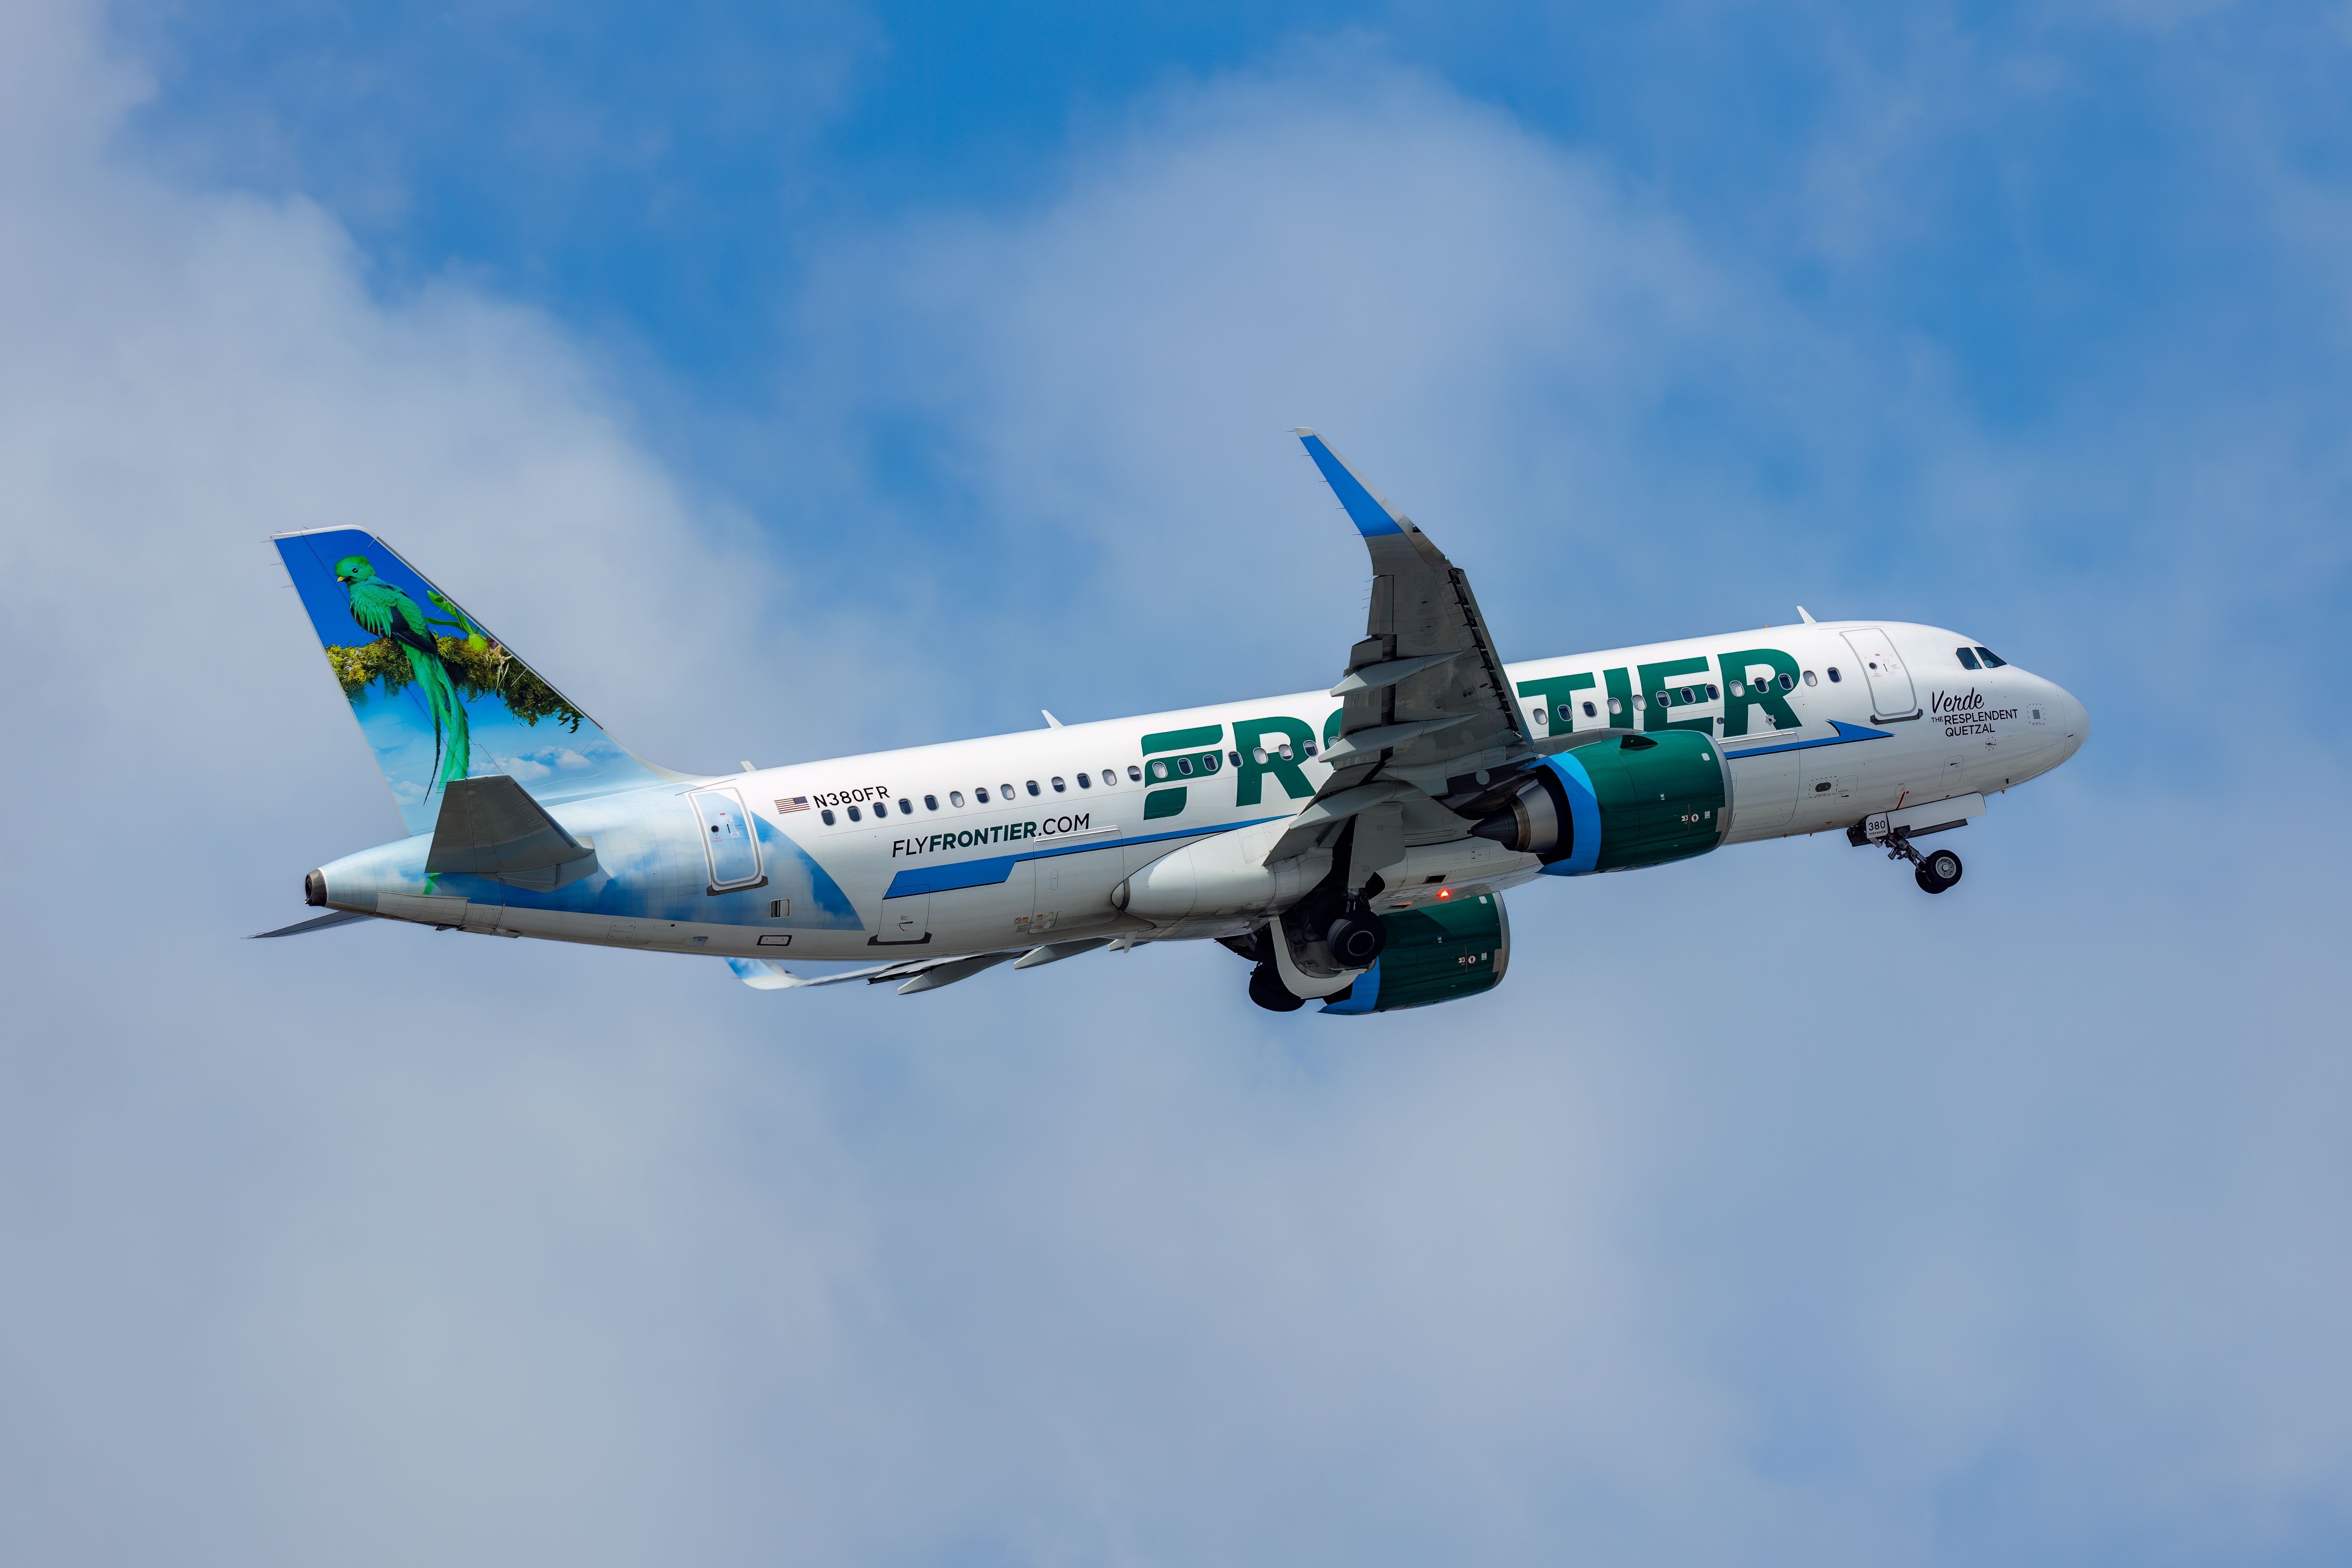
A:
(1438, 952)
(1633, 800)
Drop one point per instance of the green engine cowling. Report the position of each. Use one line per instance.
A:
(1626, 801)
(1438, 952)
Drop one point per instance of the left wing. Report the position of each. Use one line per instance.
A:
(1425, 700)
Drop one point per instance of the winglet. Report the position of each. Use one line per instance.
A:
(1051, 722)
(1808, 614)
(1367, 508)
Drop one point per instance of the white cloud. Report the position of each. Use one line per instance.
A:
(1715, 1237)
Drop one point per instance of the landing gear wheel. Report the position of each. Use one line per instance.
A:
(1356, 939)
(1267, 989)
(1938, 871)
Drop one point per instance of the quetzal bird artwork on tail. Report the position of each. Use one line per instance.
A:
(384, 611)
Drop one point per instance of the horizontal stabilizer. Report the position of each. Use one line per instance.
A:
(492, 827)
(319, 922)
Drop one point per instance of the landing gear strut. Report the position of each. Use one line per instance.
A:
(1933, 871)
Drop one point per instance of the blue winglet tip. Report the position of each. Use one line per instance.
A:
(1366, 511)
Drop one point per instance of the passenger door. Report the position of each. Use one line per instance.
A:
(727, 839)
(1891, 696)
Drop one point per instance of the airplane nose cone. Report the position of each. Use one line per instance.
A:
(2074, 719)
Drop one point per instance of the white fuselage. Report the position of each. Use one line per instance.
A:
(977, 846)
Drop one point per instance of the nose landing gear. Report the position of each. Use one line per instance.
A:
(1933, 871)
(1937, 871)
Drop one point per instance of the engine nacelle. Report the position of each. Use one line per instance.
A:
(1221, 876)
(1438, 952)
(1636, 800)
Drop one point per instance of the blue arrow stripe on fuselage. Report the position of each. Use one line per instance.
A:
(1846, 735)
(988, 873)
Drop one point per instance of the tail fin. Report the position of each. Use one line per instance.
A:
(438, 697)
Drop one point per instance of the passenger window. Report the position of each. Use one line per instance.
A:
(1084, 783)
(1310, 748)
(1615, 706)
(1537, 712)
(1135, 774)
(1160, 769)
(1006, 791)
(1032, 786)
(852, 814)
(982, 793)
(1991, 660)
(1712, 694)
(1110, 777)
(1059, 787)
(930, 802)
(1809, 678)
(955, 797)
(1788, 682)
(1967, 656)
(1184, 765)
(828, 814)
(1640, 703)
(1568, 714)
(1834, 676)
(906, 806)
(1234, 758)
(1257, 755)
(1589, 713)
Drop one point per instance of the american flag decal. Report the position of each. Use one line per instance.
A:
(798, 802)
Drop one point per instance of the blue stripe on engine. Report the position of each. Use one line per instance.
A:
(1364, 997)
(1583, 819)
(988, 873)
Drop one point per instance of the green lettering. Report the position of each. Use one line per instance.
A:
(1738, 698)
(1561, 690)
(1163, 803)
(1653, 677)
(1252, 735)
(1183, 740)
(1621, 698)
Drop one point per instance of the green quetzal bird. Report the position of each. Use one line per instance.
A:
(384, 611)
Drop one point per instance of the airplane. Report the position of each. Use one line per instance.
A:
(1353, 845)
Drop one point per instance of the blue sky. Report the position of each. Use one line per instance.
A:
(790, 383)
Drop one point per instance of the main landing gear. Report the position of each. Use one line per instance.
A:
(1267, 989)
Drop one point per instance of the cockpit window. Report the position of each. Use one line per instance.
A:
(1991, 660)
(1967, 658)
